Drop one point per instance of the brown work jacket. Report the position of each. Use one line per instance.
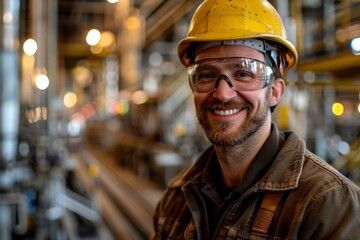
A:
(317, 202)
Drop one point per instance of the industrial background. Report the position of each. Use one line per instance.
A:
(96, 115)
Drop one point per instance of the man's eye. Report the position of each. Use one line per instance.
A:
(204, 76)
(243, 75)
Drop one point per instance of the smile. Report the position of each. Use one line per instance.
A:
(226, 112)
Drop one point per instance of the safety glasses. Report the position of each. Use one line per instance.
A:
(241, 74)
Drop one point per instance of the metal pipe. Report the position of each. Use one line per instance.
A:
(18, 200)
(78, 204)
(9, 79)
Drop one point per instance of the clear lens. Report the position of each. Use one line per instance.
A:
(242, 74)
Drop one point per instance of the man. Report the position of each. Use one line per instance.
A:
(255, 182)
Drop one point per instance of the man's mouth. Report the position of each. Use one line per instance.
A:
(227, 112)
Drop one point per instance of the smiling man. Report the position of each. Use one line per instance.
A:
(254, 182)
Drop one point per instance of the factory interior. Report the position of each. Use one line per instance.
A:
(97, 116)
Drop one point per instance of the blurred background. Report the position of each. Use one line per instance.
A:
(96, 115)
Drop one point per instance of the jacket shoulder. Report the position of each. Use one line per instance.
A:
(320, 171)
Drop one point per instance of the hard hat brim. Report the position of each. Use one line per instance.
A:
(185, 45)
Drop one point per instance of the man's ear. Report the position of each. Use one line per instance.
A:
(277, 91)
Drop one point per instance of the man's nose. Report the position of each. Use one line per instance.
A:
(224, 90)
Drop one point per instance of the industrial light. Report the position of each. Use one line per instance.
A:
(30, 47)
(7, 18)
(355, 45)
(107, 39)
(337, 109)
(133, 23)
(139, 97)
(70, 99)
(42, 81)
(93, 37)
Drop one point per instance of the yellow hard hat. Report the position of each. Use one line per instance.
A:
(217, 20)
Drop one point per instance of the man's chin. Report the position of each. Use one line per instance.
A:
(223, 139)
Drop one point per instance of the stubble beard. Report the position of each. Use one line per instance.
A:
(216, 134)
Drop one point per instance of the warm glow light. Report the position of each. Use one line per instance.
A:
(96, 49)
(107, 39)
(337, 109)
(132, 23)
(83, 75)
(42, 81)
(93, 37)
(30, 47)
(36, 114)
(70, 99)
(139, 97)
(7, 18)
(341, 35)
(359, 107)
(44, 113)
(179, 130)
(112, 1)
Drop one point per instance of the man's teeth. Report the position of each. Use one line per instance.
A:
(226, 112)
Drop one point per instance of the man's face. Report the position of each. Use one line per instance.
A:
(230, 117)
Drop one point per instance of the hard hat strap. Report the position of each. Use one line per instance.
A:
(269, 59)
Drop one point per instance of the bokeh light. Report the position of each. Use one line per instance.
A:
(42, 81)
(93, 37)
(337, 109)
(30, 47)
(70, 99)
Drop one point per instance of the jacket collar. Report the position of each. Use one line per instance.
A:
(283, 174)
